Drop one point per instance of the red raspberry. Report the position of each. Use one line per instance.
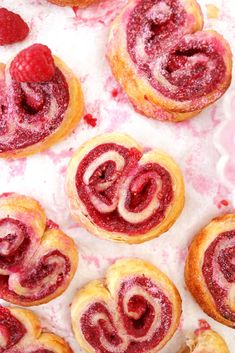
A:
(33, 64)
(12, 27)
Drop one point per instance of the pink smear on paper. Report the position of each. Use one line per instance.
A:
(115, 91)
(200, 182)
(203, 326)
(112, 260)
(103, 13)
(57, 157)
(201, 130)
(90, 259)
(17, 167)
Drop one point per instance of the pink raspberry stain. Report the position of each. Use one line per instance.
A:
(117, 117)
(112, 260)
(181, 255)
(225, 142)
(103, 12)
(115, 91)
(57, 157)
(90, 120)
(202, 183)
(210, 122)
(165, 257)
(203, 326)
(222, 199)
(17, 167)
(91, 259)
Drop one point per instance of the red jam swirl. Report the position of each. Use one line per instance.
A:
(141, 319)
(191, 64)
(219, 256)
(18, 256)
(29, 112)
(34, 276)
(14, 243)
(160, 23)
(139, 194)
(11, 329)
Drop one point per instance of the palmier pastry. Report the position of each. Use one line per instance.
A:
(118, 192)
(136, 308)
(79, 3)
(168, 66)
(36, 115)
(210, 269)
(205, 341)
(37, 260)
(21, 332)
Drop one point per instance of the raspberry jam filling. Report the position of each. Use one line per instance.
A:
(14, 243)
(29, 112)
(119, 194)
(138, 315)
(219, 271)
(38, 280)
(154, 26)
(11, 330)
(192, 65)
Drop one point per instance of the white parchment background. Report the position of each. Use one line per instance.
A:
(80, 41)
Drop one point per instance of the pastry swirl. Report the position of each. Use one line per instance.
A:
(210, 269)
(136, 308)
(21, 332)
(168, 66)
(120, 193)
(37, 262)
(35, 116)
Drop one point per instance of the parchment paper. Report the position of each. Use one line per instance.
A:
(79, 38)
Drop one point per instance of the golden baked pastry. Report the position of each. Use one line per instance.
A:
(210, 269)
(21, 331)
(118, 192)
(136, 308)
(35, 116)
(37, 260)
(79, 3)
(169, 68)
(206, 341)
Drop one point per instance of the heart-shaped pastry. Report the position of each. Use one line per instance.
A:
(37, 260)
(120, 193)
(36, 115)
(21, 332)
(167, 65)
(136, 308)
(210, 269)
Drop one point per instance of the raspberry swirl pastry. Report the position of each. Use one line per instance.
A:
(120, 193)
(36, 111)
(205, 341)
(169, 68)
(37, 260)
(79, 3)
(21, 332)
(210, 269)
(136, 308)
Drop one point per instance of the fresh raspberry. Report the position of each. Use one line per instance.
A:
(12, 27)
(33, 64)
